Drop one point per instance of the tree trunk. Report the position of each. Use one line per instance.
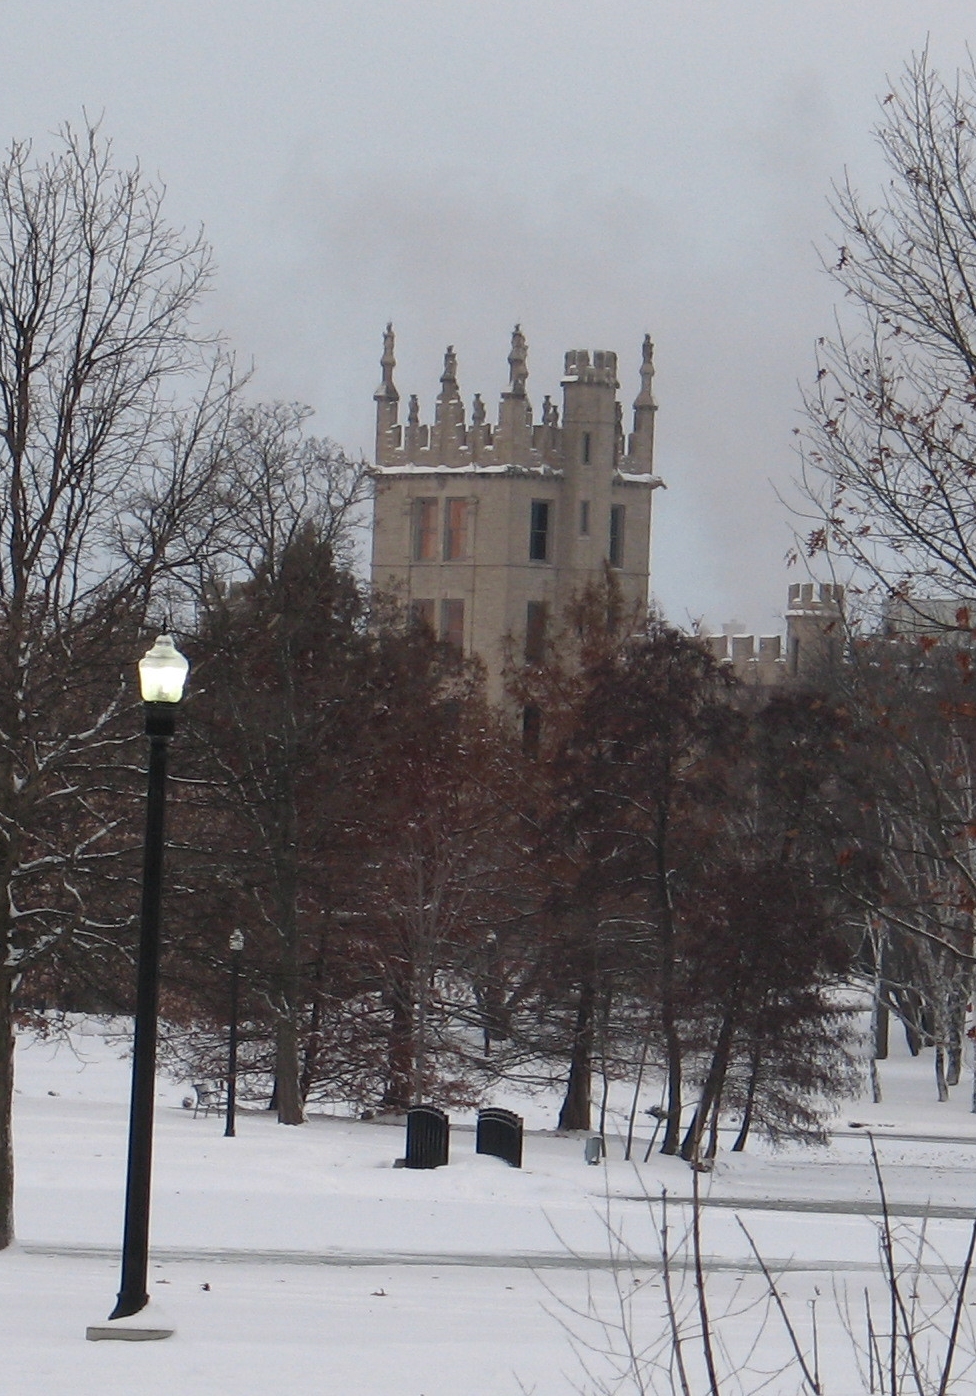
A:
(6, 1108)
(418, 1066)
(313, 1040)
(909, 1006)
(604, 1098)
(291, 1109)
(875, 1081)
(575, 1112)
(712, 1149)
(313, 1049)
(746, 1125)
(881, 1016)
(291, 1106)
(955, 1030)
(941, 1087)
(399, 1054)
(604, 1075)
(712, 1089)
(496, 1023)
(669, 1017)
(287, 1073)
(635, 1101)
(938, 1019)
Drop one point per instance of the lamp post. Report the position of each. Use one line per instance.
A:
(236, 945)
(162, 674)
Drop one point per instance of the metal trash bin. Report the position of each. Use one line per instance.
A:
(593, 1149)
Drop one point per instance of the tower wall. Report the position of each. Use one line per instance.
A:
(814, 638)
(542, 506)
(814, 627)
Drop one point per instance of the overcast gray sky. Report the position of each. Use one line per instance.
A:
(593, 170)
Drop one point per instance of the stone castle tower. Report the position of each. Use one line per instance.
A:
(487, 530)
(814, 638)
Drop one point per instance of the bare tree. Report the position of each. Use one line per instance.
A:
(281, 693)
(112, 412)
(890, 450)
(439, 850)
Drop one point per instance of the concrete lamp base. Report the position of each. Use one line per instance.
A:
(146, 1326)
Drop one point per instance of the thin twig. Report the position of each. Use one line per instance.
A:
(670, 1300)
(957, 1313)
(809, 1377)
(706, 1331)
(874, 1354)
(894, 1289)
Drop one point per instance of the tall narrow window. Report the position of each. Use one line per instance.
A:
(531, 730)
(425, 530)
(586, 448)
(452, 623)
(616, 535)
(584, 518)
(793, 656)
(455, 529)
(535, 632)
(539, 531)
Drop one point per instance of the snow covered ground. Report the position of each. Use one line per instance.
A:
(299, 1260)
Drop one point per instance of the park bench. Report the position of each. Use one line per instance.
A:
(209, 1096)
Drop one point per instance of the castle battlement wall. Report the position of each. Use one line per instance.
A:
(754, 659)
(810, 598)
(814, 633)
(456, 441)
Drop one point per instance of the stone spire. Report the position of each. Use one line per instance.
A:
(415, 436)
(479, 435)
(518, 370)
(387, 401)
(514, 435)
(386, 392)
(645, 408)
(449, 434)
(644, 401)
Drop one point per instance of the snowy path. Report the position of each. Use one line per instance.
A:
(163, 1256)
(846, 1207)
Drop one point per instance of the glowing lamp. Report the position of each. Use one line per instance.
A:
(162, 672)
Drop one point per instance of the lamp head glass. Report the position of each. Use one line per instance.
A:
(162, 672)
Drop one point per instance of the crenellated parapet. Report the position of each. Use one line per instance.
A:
(814, 636)
(755, 660)
(824, 599)
(592, 420)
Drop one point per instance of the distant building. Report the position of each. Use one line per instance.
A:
(487, 530)
(932, 617)
(817, 634)
(814, 635)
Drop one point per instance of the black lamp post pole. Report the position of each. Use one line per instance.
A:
(236, 946)
(133, 1296)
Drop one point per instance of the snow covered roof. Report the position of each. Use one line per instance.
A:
(628, 477)
(472, 468)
